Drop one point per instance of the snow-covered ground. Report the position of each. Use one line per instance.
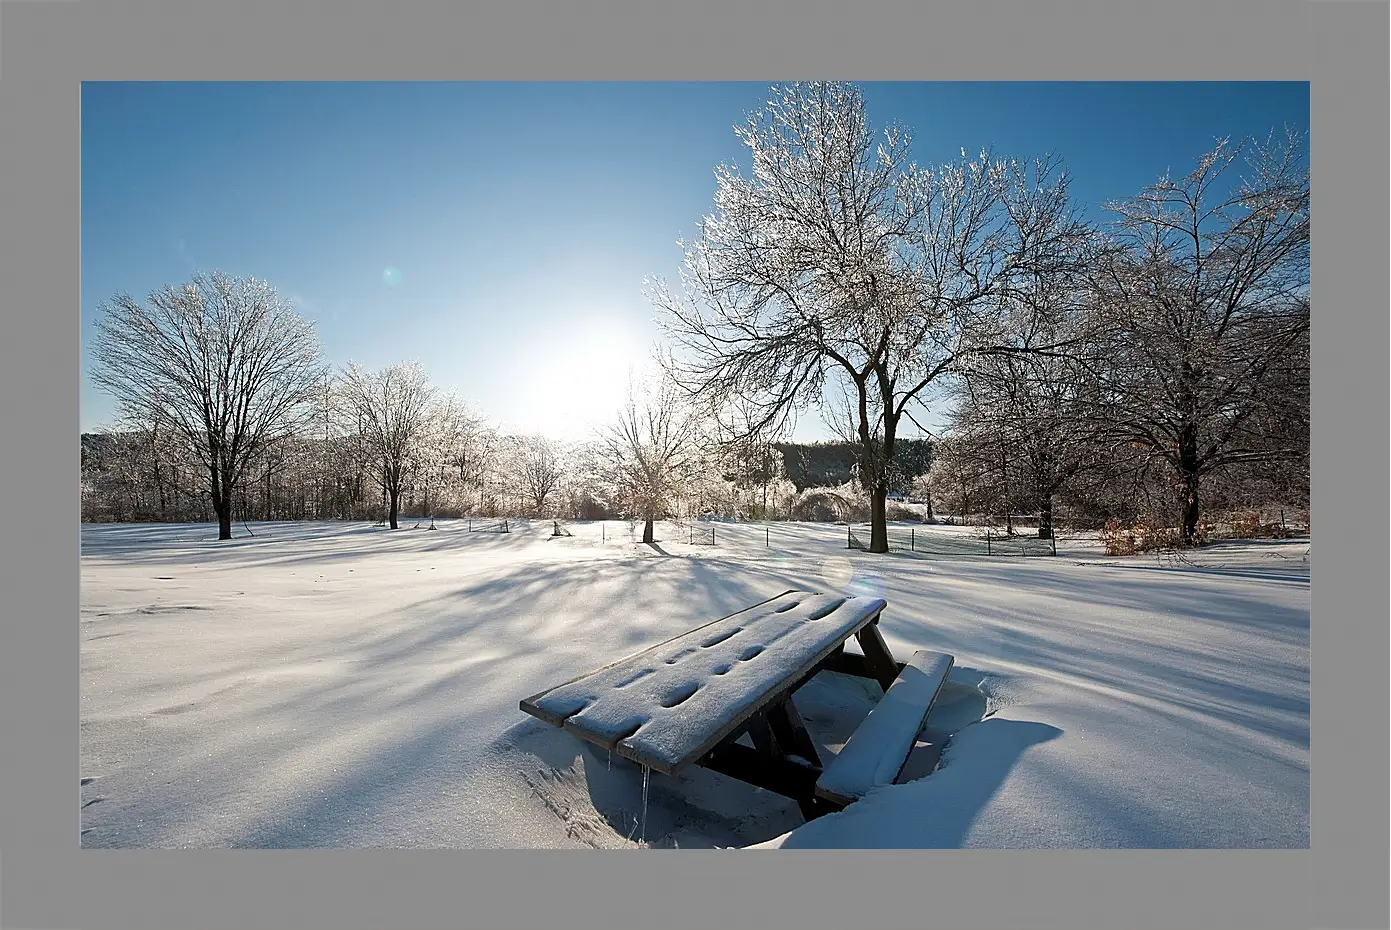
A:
(329, 684)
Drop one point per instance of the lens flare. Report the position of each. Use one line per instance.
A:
(391, 276)
(837, 572)
(865, 584)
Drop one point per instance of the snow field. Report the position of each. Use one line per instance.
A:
(329, 684)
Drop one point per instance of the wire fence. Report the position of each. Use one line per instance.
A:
(988, 542)
(700, 535)
(1014, 537)
(927, 540)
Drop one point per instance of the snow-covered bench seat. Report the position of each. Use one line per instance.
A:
(672, 704)
(876, 751)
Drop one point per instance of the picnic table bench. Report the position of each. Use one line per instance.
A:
(687, 701)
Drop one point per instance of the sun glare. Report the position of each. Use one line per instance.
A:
(580, 378)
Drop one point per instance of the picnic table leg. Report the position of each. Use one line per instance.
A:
(877, 656)
(762, 735)
(771, 773)
(790, 731)
(763, 732)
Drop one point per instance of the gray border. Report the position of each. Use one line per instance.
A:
(48, 47)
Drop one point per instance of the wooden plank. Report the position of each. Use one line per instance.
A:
(875, 753)
(669, 705)
(878, 659)
(852, 663)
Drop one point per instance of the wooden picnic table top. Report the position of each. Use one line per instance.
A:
(670, 704)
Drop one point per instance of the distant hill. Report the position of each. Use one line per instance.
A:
(826, 464)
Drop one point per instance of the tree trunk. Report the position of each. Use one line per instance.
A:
(1045, 517)
(220, 494)
(1188, 476)
(159, 486)
(395, 508)
(222, 506)
(1190, 509)
(878, 522)
(647, 534)
(928, 498)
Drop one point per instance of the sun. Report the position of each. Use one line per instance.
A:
(579, 380)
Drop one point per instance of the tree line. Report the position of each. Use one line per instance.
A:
(1144, 367)
(389, 446)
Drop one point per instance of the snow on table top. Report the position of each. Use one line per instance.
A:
(668, 705)
(877, 749)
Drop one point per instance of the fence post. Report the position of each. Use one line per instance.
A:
(766, 543)
(848, 537)
(912, 539)
(987, 542)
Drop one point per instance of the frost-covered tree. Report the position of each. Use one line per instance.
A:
(1022, 405)
(966, 476)
(1022, 426)
(654, 450)
(753, 468)
(1202, 317)
(390, 408)
(469, 444)
(838, 268)
(538, 469)
(587, 493)
(228, 365)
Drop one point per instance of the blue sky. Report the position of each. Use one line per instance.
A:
(500, 233)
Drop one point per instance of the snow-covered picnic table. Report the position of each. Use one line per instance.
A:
(687, 700)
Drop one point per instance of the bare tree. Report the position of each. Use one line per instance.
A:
(1022, 423)
(230, 366)
(539, 469)
(653, 451)
(838, 264)
(468, 443)
(441, 439)
(587, 493)
(1021, 412)
(391, 407)
(1203, 317)
(753, 467)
